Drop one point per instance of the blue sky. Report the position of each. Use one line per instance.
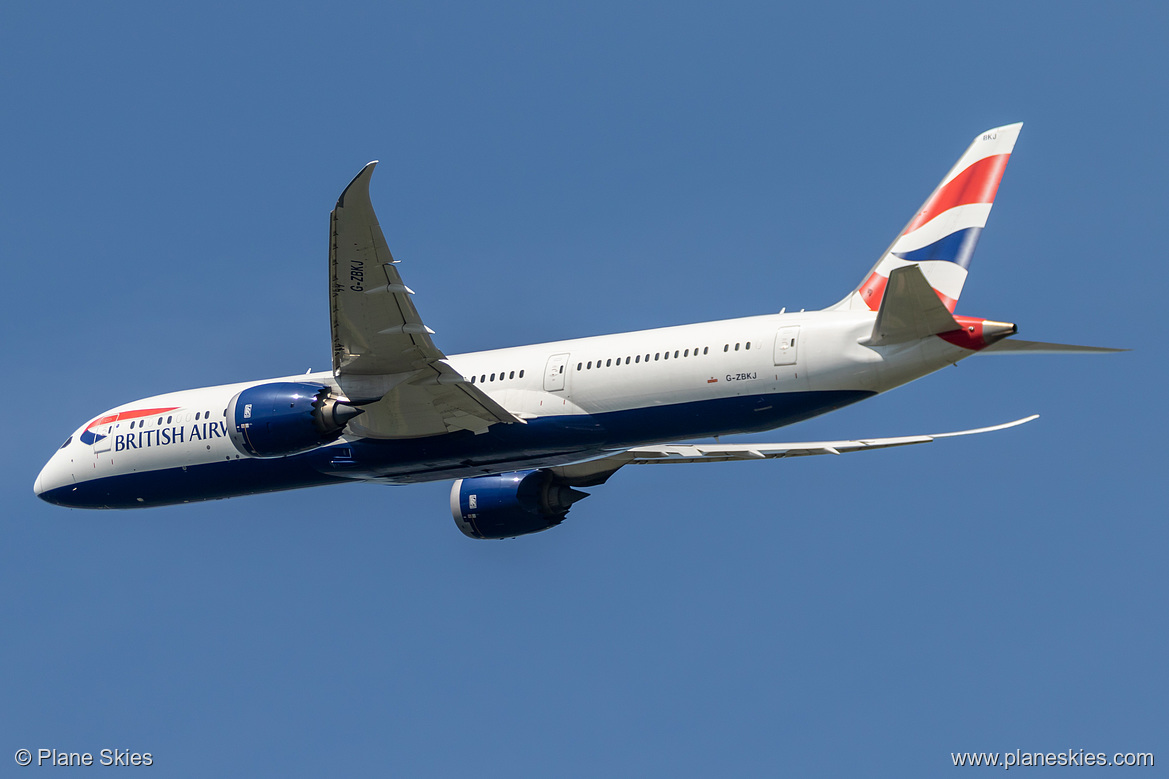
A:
(548, 172)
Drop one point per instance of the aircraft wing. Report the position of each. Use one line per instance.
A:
(593, 472)
(383, 357)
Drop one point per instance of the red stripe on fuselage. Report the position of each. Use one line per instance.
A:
(142, 412)
(977, 184)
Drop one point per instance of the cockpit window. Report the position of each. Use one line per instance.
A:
(68, 441)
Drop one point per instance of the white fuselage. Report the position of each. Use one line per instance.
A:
(576, 399)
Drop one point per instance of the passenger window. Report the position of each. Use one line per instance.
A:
(637, 358)
(736, 347)
(608, 363)
(675, 354)
(196, 419)
(577, 367)
(705, 349)
(686, 353)
(726, 347)
(168, 419)
(627, 359)
(512, 374)
(657, 356)
(589, 366)
(483, 378)
(748, 346)
(472, 379)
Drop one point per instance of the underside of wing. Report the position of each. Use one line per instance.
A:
(430, 401)
(383, 356)
(595, 472)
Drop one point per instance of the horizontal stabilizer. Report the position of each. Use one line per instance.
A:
(1013, 346)
(910, 310)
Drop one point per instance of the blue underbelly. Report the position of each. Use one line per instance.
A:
(541, 442)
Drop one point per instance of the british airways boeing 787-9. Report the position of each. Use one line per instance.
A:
(520, 429)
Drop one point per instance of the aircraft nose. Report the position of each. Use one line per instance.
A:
(48, 481)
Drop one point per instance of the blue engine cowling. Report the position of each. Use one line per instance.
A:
(283, 418)
(510, 504)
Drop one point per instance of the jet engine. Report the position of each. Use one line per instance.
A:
(283, 418)
(510, 504)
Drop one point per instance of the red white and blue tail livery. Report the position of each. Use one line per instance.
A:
(520, 430)
(942, 236)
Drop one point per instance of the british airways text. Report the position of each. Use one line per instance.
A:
(144, 439)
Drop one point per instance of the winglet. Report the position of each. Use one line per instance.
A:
(991, 429)
(363, 177)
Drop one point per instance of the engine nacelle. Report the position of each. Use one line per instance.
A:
(510, 504)
(283, 418)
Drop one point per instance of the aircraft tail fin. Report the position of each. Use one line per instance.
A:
(941, 237)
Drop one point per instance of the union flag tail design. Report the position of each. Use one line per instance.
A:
(941, 237)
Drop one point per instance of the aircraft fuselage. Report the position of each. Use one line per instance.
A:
(577, 399)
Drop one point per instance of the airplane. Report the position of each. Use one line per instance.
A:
(521, 429)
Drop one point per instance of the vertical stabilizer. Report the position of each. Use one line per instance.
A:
(941, 237)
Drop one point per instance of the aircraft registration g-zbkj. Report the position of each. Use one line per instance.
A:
(520, 429)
